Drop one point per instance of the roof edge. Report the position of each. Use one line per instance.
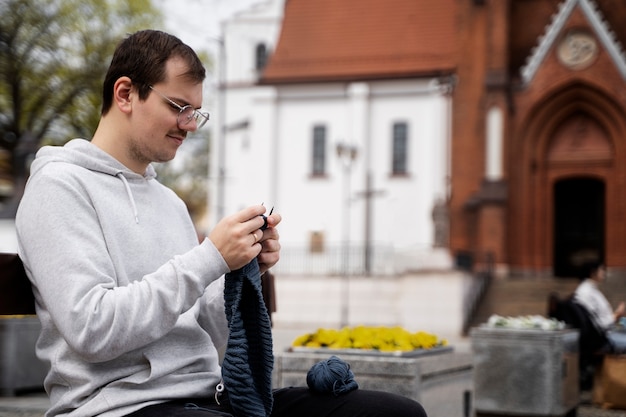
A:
(596, 21)
(355, 77)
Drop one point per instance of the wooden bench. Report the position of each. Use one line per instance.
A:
(20, 370)
(16, 295)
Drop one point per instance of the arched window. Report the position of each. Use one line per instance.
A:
(495, 128)
(260, 56)
(319, 150)
(400, 144)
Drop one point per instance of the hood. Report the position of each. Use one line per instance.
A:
(84, 154)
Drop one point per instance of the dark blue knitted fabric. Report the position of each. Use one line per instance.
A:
(248, 360)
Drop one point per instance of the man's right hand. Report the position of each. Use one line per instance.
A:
(237, 236)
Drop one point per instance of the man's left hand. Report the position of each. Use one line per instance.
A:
(270, 252)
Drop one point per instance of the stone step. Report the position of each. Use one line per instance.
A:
(517, 297)
(520, 297)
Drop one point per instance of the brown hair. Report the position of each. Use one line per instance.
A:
(142, 57)
(589, 268)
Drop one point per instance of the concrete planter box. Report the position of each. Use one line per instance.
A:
(525, 372)
(20, 370)
(437, 380)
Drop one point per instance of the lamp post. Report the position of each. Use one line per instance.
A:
(219, 137)
(221, 148)
(347, 155)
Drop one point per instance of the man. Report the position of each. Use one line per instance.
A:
(131, 305)
(595, 303)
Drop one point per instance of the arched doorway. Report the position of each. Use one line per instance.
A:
(579, 224)
(570, 141)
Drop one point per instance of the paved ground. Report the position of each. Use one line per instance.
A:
(28, 405)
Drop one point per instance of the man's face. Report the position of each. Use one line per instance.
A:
(156, 133)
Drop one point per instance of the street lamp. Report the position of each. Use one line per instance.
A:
(219, 136)
(221, 148)
(347, 154)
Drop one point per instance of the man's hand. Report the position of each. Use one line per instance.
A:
(270, 252)
(239, 239)
(619, 311)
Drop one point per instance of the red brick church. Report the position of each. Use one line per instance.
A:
(541, 83)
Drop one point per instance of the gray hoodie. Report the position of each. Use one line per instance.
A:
(131, 306)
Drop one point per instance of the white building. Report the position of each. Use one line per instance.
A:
(356, 162)
(246, 40)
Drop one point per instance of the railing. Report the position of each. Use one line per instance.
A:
(480, 280)
(335, 260)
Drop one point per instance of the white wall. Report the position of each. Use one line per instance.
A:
(271, 162)
(259, 24)
(241, 34)
(427, 301)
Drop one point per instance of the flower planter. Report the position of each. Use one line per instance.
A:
(525, 372)
(437, 378)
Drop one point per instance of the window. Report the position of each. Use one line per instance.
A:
(319, 150)
(399, 163)
(260, 56)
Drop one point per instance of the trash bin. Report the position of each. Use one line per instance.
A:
(20, 369)
(19, 329)
(521, 372)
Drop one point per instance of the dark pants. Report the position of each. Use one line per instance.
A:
(301, 402)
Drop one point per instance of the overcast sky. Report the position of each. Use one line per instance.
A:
(196, 22)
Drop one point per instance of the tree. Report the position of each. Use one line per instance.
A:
(187, 175)
(53, 58)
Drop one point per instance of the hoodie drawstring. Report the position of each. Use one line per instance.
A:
(130, 195)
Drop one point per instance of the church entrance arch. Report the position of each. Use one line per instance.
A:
(567, 192)
(579, 149)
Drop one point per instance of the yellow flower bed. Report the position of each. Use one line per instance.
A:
(384, 339)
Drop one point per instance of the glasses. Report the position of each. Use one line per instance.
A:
(185, 113)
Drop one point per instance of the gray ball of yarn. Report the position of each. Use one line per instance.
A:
(331, 376)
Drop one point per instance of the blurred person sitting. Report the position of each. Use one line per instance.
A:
(602, 314)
